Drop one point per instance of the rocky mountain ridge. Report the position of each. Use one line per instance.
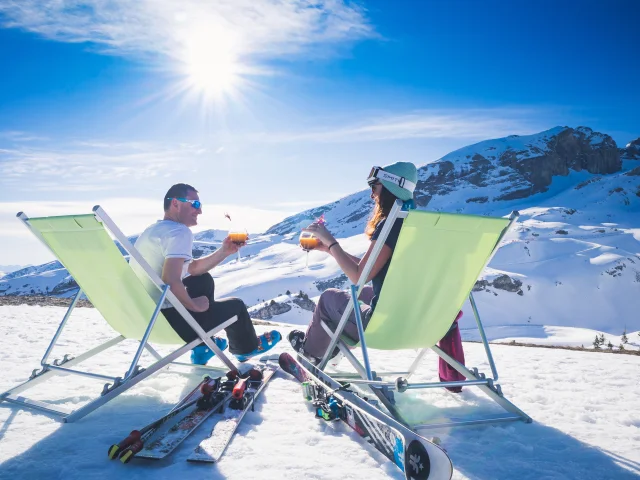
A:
(489, 177)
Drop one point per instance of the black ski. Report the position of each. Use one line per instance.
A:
(211, 448)
(417, 457)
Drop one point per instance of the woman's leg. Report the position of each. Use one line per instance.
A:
(366, 294)
(331, 306)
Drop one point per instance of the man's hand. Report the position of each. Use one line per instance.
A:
(229, 248)
(199, 304)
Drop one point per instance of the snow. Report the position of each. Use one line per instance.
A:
(569, 271)
(584, 405)
(605, 258)
(548, 335)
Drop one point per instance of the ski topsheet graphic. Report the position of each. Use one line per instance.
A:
(417, 457)
(199, 397)
(234, 391)
(211, 448)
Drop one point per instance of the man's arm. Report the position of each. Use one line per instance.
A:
(172, 276)
(204, 264)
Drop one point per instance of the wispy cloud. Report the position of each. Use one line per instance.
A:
(90, 166)
(273, 28)
(146, 211)
(469, 124)
(18, 136)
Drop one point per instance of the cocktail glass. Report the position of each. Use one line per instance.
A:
(308, 242)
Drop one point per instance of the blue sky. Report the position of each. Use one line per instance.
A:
(272, 107)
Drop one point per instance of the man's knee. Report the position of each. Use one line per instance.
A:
(205, 277)
(236, 305)
(202, 281)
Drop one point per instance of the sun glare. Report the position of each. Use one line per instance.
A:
(212, 67)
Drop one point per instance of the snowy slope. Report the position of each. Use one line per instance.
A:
(585, 424)
(5, 269)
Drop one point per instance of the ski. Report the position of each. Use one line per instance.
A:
(134, 442)
(414, 455)
(168, 439)
(211, 448)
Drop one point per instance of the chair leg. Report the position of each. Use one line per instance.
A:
(118, 389)
(416, 362)
(47, 374)
(492, 392)
(109, 392)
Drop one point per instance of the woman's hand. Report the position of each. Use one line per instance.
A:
(321, 232)
(321, 247)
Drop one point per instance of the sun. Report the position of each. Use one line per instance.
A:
(212, 66)
(212, 72)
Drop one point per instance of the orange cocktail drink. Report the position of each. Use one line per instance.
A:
(308, 242)
(239, 237)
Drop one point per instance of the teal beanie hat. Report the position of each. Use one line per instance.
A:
(408, 171)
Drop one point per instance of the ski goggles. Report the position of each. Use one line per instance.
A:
(194, 203)
(377, 174)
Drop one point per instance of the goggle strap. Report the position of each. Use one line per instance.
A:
(378, 173)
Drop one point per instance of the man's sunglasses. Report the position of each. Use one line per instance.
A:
(194, 203)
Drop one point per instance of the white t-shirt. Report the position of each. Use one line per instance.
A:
(164, 239)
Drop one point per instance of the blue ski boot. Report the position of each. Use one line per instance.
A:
(266, 342)
(201, 354)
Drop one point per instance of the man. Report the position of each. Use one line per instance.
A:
(167, 247)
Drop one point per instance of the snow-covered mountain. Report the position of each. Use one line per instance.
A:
(573, 260)
(5, 269)
(497, 176)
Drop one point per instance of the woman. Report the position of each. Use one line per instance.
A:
(396, 181)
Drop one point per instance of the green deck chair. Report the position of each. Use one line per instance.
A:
(83, 246)
(435, 264)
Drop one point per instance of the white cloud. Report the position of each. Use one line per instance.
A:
(132, 215)
(271, 28)
(17, 136)
(90, 166)
(458, 124)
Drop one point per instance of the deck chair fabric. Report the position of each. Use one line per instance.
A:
(435, 264)
(434, 267)
(86, 250)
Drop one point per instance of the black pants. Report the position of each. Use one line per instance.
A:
(241, 334)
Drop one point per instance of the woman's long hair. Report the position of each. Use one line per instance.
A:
(384, 202)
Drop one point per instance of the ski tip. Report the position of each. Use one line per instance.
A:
(284, 356)
(285, 360)
(126, 456)
(114, 451)
(417, 462)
